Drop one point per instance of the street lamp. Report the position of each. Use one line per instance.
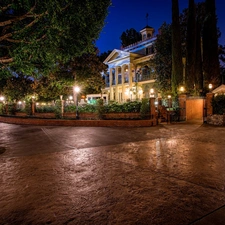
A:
(152, 93)
(2, 98)
(77, 90)
(182, 89)
(210, 87)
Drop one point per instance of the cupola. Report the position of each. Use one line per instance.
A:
(147, 32)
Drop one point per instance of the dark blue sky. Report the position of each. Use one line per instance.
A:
(126, 14)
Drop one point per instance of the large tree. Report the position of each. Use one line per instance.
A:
(163, 58)
(35, 35)
(194, 74)
(210, 46)
(130, 36)
(177, 66)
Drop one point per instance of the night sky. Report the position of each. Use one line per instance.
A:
(126, 14)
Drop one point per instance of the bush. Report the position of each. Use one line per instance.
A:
(145, 108)
(45, 109)
(127, 107)
(83, 108)
(218, 104)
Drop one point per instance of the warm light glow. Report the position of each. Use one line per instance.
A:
(140, 92)
(210, 86)
(77, 89)
(169, 96)
(70, 97)
(181, 88)
(127, 92)
(151, 90)
(2, 98)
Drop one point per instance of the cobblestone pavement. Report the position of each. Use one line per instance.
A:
(169, 174)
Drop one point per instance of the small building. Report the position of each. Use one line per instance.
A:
(130, 75)
(92, 98)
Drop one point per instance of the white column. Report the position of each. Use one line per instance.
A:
(123, 86)
(110, 83)
(130, 74)
(116, 89)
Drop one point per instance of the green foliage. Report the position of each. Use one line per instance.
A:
(145, 108)
(218, 104)
(57, 109)
(163, 58)
(35, 35)
(177, 66)
(17, 87)
(81, 108)
(45, 109)
(1, 108)
(28, 106)
(125, 107)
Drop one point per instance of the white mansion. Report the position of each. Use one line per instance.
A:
(130, 75)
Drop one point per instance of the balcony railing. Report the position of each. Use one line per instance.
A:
(146, 77)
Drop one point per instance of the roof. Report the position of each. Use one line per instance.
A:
(220, 89)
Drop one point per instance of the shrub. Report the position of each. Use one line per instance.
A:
(145, 108)
(82, 108)
(127, 107)
(218, 104)
(45, 109)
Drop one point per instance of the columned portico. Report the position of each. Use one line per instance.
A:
(128, 75)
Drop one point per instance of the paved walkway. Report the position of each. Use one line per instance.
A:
(169, 174)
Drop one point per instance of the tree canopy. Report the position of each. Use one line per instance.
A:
(35, 35)
(130, 36)
(198, 29)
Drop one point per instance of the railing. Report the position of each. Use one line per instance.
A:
(146, 77)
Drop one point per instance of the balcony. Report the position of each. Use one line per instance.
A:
(146, 77)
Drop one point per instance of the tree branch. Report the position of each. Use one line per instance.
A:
(6, 60)
(19, 18)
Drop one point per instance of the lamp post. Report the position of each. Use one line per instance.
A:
(62, 105)
(169, 101)
(77, 90)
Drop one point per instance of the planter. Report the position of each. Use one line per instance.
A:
(23, 114)
(82, 116)
(110, 116)
(44, 115)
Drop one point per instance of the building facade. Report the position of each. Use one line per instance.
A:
(130, 74)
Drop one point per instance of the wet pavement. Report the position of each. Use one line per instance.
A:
(169, 174)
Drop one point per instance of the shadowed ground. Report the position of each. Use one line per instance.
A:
(169, 174)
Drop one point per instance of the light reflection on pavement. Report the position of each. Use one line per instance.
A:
(169, 174)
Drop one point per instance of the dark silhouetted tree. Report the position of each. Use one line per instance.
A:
(129, 37)
(211, 66)
(177, 66)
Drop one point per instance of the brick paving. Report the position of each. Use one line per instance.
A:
(169, 174)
